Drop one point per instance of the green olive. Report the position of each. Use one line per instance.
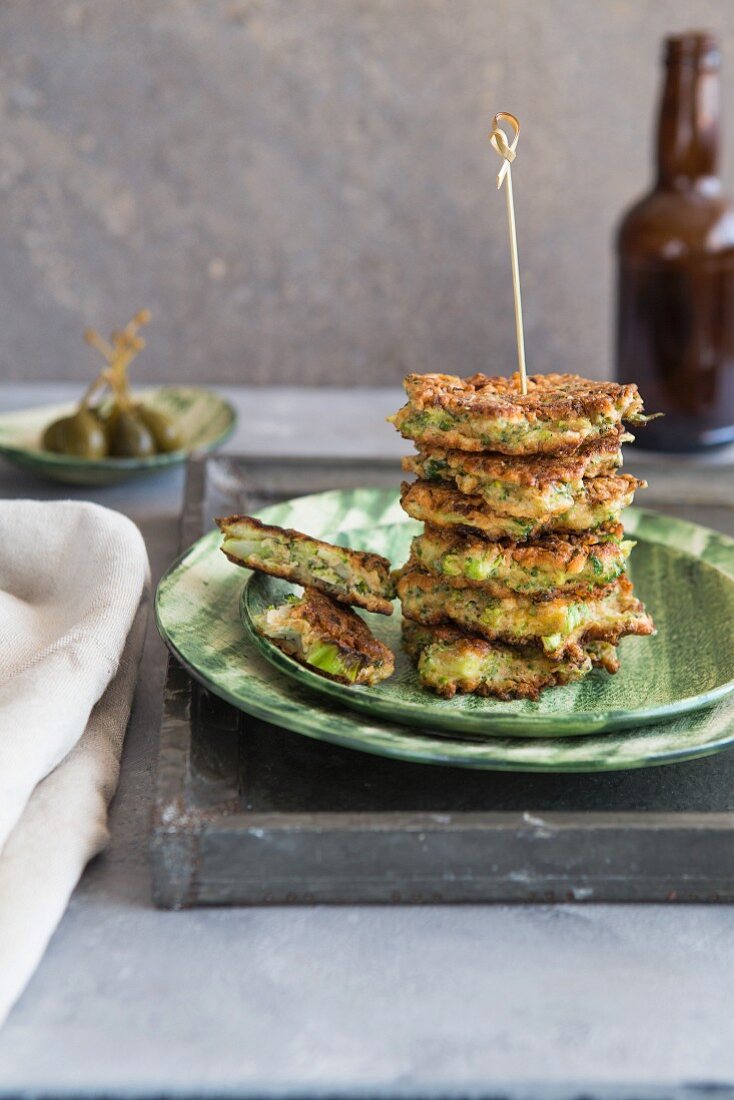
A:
(80, 436)
(129, 435)
(163, 429)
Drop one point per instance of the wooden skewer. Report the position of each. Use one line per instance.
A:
(506, 150)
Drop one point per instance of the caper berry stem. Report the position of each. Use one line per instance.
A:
(99, 383)
(94, 339)
(118, 355)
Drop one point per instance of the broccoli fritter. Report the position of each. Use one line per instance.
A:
(599, 503)
(558, 624)
(528, 487)
(450, 661)
(559, 413)
(349, 576)
(328, 637)
(570, 564)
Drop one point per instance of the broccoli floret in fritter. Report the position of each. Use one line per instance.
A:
(328, 637)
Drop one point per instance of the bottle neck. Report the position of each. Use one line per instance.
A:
(688, 131)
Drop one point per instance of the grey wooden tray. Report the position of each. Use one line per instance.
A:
(247, 813)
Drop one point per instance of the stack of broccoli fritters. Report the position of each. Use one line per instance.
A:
(518, 580)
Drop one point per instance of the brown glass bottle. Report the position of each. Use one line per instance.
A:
(675, 308)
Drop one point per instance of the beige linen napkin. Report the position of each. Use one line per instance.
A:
(73, 606)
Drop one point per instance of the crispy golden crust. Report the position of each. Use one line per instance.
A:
(610, 616)
(442, 506)
(416, 636)
(330, 623)
(542, 569)
(643, 625)
(580, 591)
(599, 490)
(378, 599)
(603, 655)
(567, 552)
(537, 471)
(549, 396)
(456, 438)
(342, 626)
(559, 414)
(362, 558)
(451, 661)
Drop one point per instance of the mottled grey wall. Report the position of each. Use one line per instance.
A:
(303, 191)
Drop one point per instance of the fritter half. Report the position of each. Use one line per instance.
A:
(450, 661)
(572, 564)
(559, 413)
(559, 625)
(601, 501)
(349, 576)
(529, 487)
(327, 637)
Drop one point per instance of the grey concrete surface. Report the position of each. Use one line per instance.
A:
(599, 1001)
(303, 190)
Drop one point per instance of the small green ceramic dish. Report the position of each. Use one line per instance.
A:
(204, 419)
(197, 608)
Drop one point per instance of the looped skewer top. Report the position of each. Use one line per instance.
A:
(500, 144)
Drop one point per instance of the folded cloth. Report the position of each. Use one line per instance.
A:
(74, 584)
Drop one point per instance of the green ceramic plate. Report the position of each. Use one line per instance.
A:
(683, 669)
(205, 420)
(197, 608)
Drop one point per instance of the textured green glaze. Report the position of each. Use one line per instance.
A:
(204, 419)
(656, 680)
(198, 615)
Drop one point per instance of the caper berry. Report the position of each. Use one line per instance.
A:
(163, 429)
(79, 436)
(129, 435)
